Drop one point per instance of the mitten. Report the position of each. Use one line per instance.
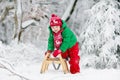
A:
(56, 52)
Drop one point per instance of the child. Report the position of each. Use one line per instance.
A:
(63, 41)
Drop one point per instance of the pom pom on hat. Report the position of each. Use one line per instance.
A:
(55, 20)
(53, 15)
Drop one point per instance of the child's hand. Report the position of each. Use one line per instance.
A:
(56, 52)
(48, 52)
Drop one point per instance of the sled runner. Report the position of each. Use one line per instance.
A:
(60, 61)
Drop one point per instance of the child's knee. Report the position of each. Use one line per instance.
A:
(74, 61)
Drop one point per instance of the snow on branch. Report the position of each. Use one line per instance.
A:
(25, 24)
(4, 64)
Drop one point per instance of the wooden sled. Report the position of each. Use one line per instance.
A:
(47, 60)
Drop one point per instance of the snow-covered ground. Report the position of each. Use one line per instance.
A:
(33, 72)
(26, 60)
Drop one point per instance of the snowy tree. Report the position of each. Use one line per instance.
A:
(6, 21)
(28, 23)
(78, 17)
(99, 40)
(14, 16)
(18, 20)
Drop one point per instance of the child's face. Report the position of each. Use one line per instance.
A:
(55, 28)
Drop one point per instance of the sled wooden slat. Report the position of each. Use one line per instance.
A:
(47, 60)
(53, 59)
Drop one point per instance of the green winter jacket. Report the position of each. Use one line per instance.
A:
(69, 39)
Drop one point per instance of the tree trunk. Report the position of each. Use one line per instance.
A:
(67, 13)
(18, 20)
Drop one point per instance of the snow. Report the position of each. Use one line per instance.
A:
(27, 23)
(86, 74)
(33, 73)
(99, 43)
(99, 39)
(23, 56)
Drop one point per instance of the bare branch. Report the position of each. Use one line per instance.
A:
(5, 12)
(4, 64)
(46, 3)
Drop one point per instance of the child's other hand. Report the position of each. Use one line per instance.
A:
(56, 52)
(47, 53)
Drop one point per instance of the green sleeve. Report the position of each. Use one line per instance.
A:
(50, 42)
(66, 39)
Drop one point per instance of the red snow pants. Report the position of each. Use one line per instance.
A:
(72, 53)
